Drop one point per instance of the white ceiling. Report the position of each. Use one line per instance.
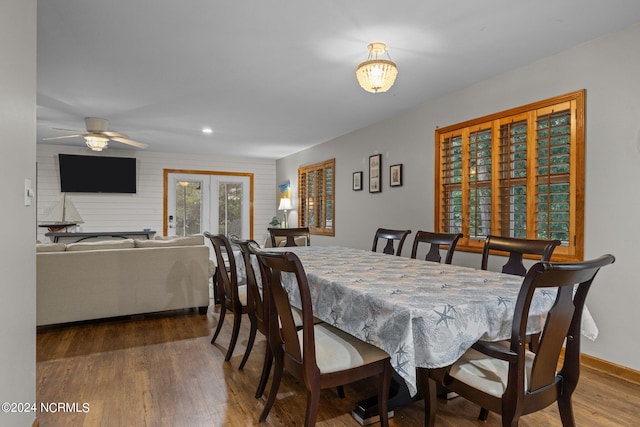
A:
(272, 77)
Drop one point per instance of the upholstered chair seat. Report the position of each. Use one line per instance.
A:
(338, 351)
(488, 374)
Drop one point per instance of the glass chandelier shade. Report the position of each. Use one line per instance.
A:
(96, 142)
(377, 75)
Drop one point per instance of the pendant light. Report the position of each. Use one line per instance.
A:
(375, 74)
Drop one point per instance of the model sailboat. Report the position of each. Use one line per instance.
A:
(64, 214)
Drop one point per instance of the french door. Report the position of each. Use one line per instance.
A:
(198, 201)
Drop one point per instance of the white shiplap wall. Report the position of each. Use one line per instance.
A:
(124, 212)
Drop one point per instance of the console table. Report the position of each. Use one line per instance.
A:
(64, 237)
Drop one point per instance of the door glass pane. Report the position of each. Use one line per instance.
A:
(230, 196)
(188, 207)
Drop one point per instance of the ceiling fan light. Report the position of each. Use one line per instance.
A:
(377, 75)
(96, 142)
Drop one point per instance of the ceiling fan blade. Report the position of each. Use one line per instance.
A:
(61, 137)
(115, 134)
(69, 130)
(130, 142)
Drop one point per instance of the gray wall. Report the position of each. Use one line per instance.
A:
(609, 69)
(18, 162)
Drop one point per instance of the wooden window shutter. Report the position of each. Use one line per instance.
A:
(316, 197)
(451, 212)
(553, 174)
(479, 178)
(518, 173)
(512, 178)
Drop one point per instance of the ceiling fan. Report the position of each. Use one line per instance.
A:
(97, 137)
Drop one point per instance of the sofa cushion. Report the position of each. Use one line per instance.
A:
(175, 241)
(101, 245)
(50, 247)
(178, 237)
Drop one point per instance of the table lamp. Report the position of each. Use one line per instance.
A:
(285, 205)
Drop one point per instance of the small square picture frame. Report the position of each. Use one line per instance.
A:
(395, 175)
(357, 181)
(375, 173)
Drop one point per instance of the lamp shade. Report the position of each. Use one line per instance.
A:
(285, 204)
(377, 75)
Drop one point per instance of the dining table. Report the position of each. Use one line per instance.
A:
(424, 314)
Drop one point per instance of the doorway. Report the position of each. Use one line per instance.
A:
(217, 202)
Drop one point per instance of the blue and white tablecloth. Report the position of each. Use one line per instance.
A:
(422, 313)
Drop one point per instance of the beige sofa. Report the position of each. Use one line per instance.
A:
(94, 280)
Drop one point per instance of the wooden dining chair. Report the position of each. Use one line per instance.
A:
(255, 299)
(319, 355)
(391, 236)
(508, 379)
(516, 249)
(435, 240)
(233, 297)
(290, 236)
(260, 302)
(254, 295)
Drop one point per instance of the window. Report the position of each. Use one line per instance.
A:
(519, 173)
(316, 198)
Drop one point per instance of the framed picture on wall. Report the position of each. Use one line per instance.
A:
(357, 181)
(375, 173)
(395, 175)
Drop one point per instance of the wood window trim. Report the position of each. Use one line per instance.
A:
(325, 196)
(573, 249)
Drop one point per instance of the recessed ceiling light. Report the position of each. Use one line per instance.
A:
(207, 130)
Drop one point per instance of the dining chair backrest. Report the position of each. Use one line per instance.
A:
(288, 262)
(563, 322)
(517, 248)
(290, 236)
(259, 302)
(254, 293)
(435, 240)
(226, 269)
(507, 378)
(391, 236)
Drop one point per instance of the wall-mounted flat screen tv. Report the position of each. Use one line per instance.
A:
(97, 174)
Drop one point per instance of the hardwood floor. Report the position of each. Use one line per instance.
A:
(161, 370)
